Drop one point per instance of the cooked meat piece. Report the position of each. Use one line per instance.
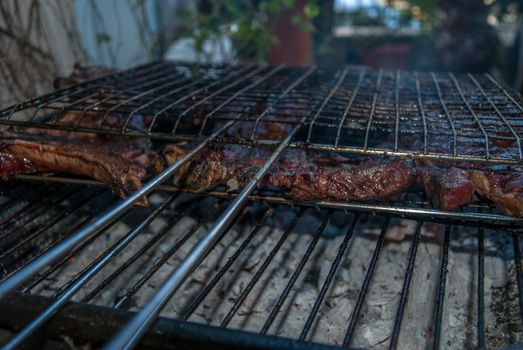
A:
(28, 154)
(449, 189)
(302, 177)
(137, 149)
(11, 165)
(364, 181)
(504, 188)
(264, 131)
(218, 164)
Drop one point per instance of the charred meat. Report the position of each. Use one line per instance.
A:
(22, 154)
(302, 177)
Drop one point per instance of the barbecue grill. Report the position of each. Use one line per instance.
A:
(254, 269)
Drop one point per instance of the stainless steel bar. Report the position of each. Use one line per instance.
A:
(481, 290)
(85, 276)
(440, 295)
(101, 221)
(347, 109)
(385, 208)
(365, 285)
(161, 96)
(208, 97)
(129, 336)
(397, 109)
(422, 111)
(238, 93)
(296, 273)
(500, 115)
(51, 204)
(42, 196)
(54, 220)
(179, 243)
(342, 76)
(505, 92)
(162, 207)
(185, 97)
(473, 113)
(330, 277)
(188, 311)
(289, 88)
(372, 109)
(67, 91)
(405, 288)
(98, 91)
(519, 271)
(146, 82)
(447, 114)
(256, 277)
(60, 263)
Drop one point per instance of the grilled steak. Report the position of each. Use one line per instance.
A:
(316, 176)
(28, 154)
(137, 149)
(303, 177)
(504, 188)
(449, 188)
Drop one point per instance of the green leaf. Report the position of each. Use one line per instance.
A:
(311, 10)
(302, 23)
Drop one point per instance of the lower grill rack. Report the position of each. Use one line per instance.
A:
(278, 276)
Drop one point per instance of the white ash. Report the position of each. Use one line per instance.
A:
(379, 309)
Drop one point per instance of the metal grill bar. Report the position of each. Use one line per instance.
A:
(53, 268)
(500, 115)
(448, 115)
(256, 277)
(201, 296)
(440, 294)
(193, 93)
(519, 271)
(82, 235)
(402, 209)
(481, 290)
(154, 268)
(422, 111)
(66, 292)
(236, 95)
(372, 110)
(247, 99)
(132, 333)
(384, 118)
(365, 286)
(472, 112)
(297, 271)
(405, 288)
(347, 109)
(328, 280)
(39, 230)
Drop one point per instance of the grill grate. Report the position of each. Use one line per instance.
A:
(290, 262)
(50, 227)
(354, 110)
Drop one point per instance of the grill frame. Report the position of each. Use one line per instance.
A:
(412, 93)
(143, 320)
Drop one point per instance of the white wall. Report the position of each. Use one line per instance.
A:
(96, 18)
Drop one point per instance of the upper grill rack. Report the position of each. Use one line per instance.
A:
(353, 110)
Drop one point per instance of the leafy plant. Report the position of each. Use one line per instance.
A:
(246, 22)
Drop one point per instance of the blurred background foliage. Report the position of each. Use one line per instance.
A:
(41, 39)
